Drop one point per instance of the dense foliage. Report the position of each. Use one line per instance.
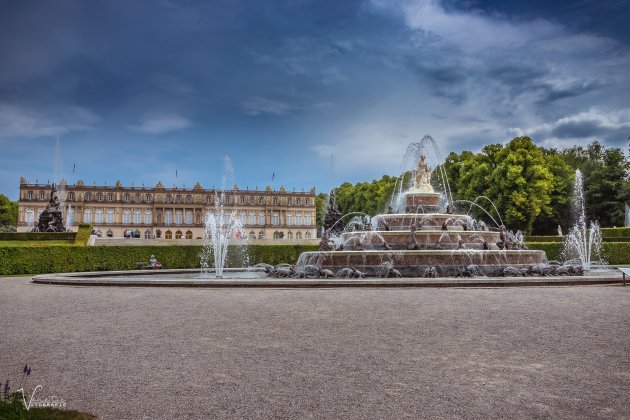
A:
(8, 214)
(531, 186)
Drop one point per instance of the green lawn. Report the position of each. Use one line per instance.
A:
(34, 243)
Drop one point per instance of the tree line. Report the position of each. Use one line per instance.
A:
(531, 186)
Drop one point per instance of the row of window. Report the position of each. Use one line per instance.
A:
(177, 199)
(252, 235)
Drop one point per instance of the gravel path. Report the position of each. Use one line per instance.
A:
(558, 352)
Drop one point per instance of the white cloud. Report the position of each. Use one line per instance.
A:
(260, 106)
(21, 121)
(159, 123)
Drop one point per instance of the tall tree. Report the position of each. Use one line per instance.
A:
(8, 212)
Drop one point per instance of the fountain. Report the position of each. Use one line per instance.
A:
(221, 226)
(50, 220)
(422, 236)
(582, 244)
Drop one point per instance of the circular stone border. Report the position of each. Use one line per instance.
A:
(125, 278)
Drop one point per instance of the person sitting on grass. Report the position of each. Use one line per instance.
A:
(154, 262)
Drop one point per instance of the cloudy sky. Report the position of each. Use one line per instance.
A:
(316, 92)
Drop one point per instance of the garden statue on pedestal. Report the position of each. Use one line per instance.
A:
(50, 220)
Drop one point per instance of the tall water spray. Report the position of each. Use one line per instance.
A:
(221, 226)
(583, 243)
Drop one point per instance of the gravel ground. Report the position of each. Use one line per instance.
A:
(553, 352)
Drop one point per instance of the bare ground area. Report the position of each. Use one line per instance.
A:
(553, 352)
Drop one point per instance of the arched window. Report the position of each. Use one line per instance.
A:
(252, 235)
(168, 235)
(275, 218)
(109, 233)
(30, 216)
(189, 217)
(243, 217)
(168, 217)
(276, 235)
(289, 219)
(126, 217)
(298, 235)
(178, 217)
(188, 234)
(298, 219)
(178, 234)
(307, 235)
(137, 217)
(158, 233)
(308, 219)
(252, 218)
(109, 216)
(147, 217)
(290, 235)
(147, 234)
(87, 196)
(261, 235)
(87, 216)
(99, 217)
(261, 218)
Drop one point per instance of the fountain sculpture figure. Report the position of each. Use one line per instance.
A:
(50, 220)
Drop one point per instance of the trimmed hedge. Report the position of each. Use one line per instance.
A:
(536, 238)
(614, 253)
(22, 260)
(37, 236)
(620, 232)
(83, 234)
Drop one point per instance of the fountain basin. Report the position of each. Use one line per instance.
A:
(446, 263)
(403, 221)
(426, 239)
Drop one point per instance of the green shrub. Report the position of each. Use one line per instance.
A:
(620, 232)
(83, 234)
(614, 253)
(535, 238)
(40, 260)
(37, 236)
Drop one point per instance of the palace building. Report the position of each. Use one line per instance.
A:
(171, 213)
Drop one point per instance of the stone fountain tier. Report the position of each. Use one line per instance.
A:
(421, 202)
(419, 263)
(423, 221)
(425, 239)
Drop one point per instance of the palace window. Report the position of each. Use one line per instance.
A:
(109, 233)
(178, 217)
(252, 218)
(137, 217)
(42, 195)
(127, 217)
(168, 235)
(261, 200)
(307, 235)
(298, 219)
(87, 216)
(307, 201)
(30, 216)
(110, 196)
(147, 217)
(109, 216)
(189, 217)
(276, 235)
(147, 234)
(99, 196)
(228, 200)
(308, 219)
(99, 217)
(275, 218)
(242, 200)
(126, 197)
(147, 198)
(298, 201)
(71, 196)
(289, 201)
(178, 199)
(138, 198)
(261, 235)
(188, 234)
(289, 219)
(275, 201)
(168, 199)
(252, 235)
(242, 218)
(250, 200)
(168, 217)
(178, 234)
(87, 196)
(261, 218)
(298, 235)
(189, 199)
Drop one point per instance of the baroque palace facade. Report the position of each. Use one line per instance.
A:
(171, 213)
